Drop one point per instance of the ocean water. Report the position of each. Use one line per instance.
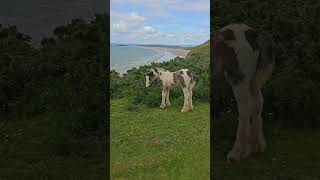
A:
(123, 58)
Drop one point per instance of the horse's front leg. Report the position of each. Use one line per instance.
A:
(163, 102)
(242, 146)
(167, 97)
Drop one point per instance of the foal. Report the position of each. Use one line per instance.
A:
(183, 78)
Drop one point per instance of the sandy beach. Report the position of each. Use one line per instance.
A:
(177, 52)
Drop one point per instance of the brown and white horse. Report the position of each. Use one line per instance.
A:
(183, 78)
(245, 58)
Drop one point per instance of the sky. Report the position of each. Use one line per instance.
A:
(168, 22)
(38, 18)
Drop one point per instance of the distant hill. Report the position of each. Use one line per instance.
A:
(201, 49)
(168, 46)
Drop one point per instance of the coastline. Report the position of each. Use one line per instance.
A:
(175, 51)
(162, 54)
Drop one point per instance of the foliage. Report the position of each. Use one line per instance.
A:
(14, 49)
(66, 74)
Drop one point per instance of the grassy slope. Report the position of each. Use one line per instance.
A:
(32, 151)
(201, 49)
(290, 154)
(153, 143)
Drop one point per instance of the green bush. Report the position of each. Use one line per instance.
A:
(67, 74)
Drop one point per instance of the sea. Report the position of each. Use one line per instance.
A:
(125, 57)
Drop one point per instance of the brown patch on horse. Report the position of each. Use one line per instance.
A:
(226, 60)
(151, 76)
(266, 55)
(251, 37)
(181, 81)
(228, 35)
(192, 76)
(178, 79)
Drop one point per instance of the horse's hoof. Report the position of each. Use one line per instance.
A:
(184, 110)
(238, 152)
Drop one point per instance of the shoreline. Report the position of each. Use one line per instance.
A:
(166, 52)
(178, 52)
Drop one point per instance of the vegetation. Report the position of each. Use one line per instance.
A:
(291, 97)
(202, 48)
(54, 97)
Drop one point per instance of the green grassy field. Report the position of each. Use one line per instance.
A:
(152, 143)
(291, 154)
(37, 149)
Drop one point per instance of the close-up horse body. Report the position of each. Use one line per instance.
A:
(244, 57)
(183, 78)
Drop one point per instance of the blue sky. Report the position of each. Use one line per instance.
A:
(170, 22)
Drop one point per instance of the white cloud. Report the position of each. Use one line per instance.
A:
(121, 26)
(148, 29)
(135, 17)
(123, 22)
(201, 6)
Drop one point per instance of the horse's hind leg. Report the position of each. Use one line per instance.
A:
(185, 107)
(163, 102)
(190, 96)
(258, 140)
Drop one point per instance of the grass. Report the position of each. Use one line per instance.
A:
(36, 149)
(154, 143)
(291, 154)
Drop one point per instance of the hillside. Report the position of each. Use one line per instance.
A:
(203, 49)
